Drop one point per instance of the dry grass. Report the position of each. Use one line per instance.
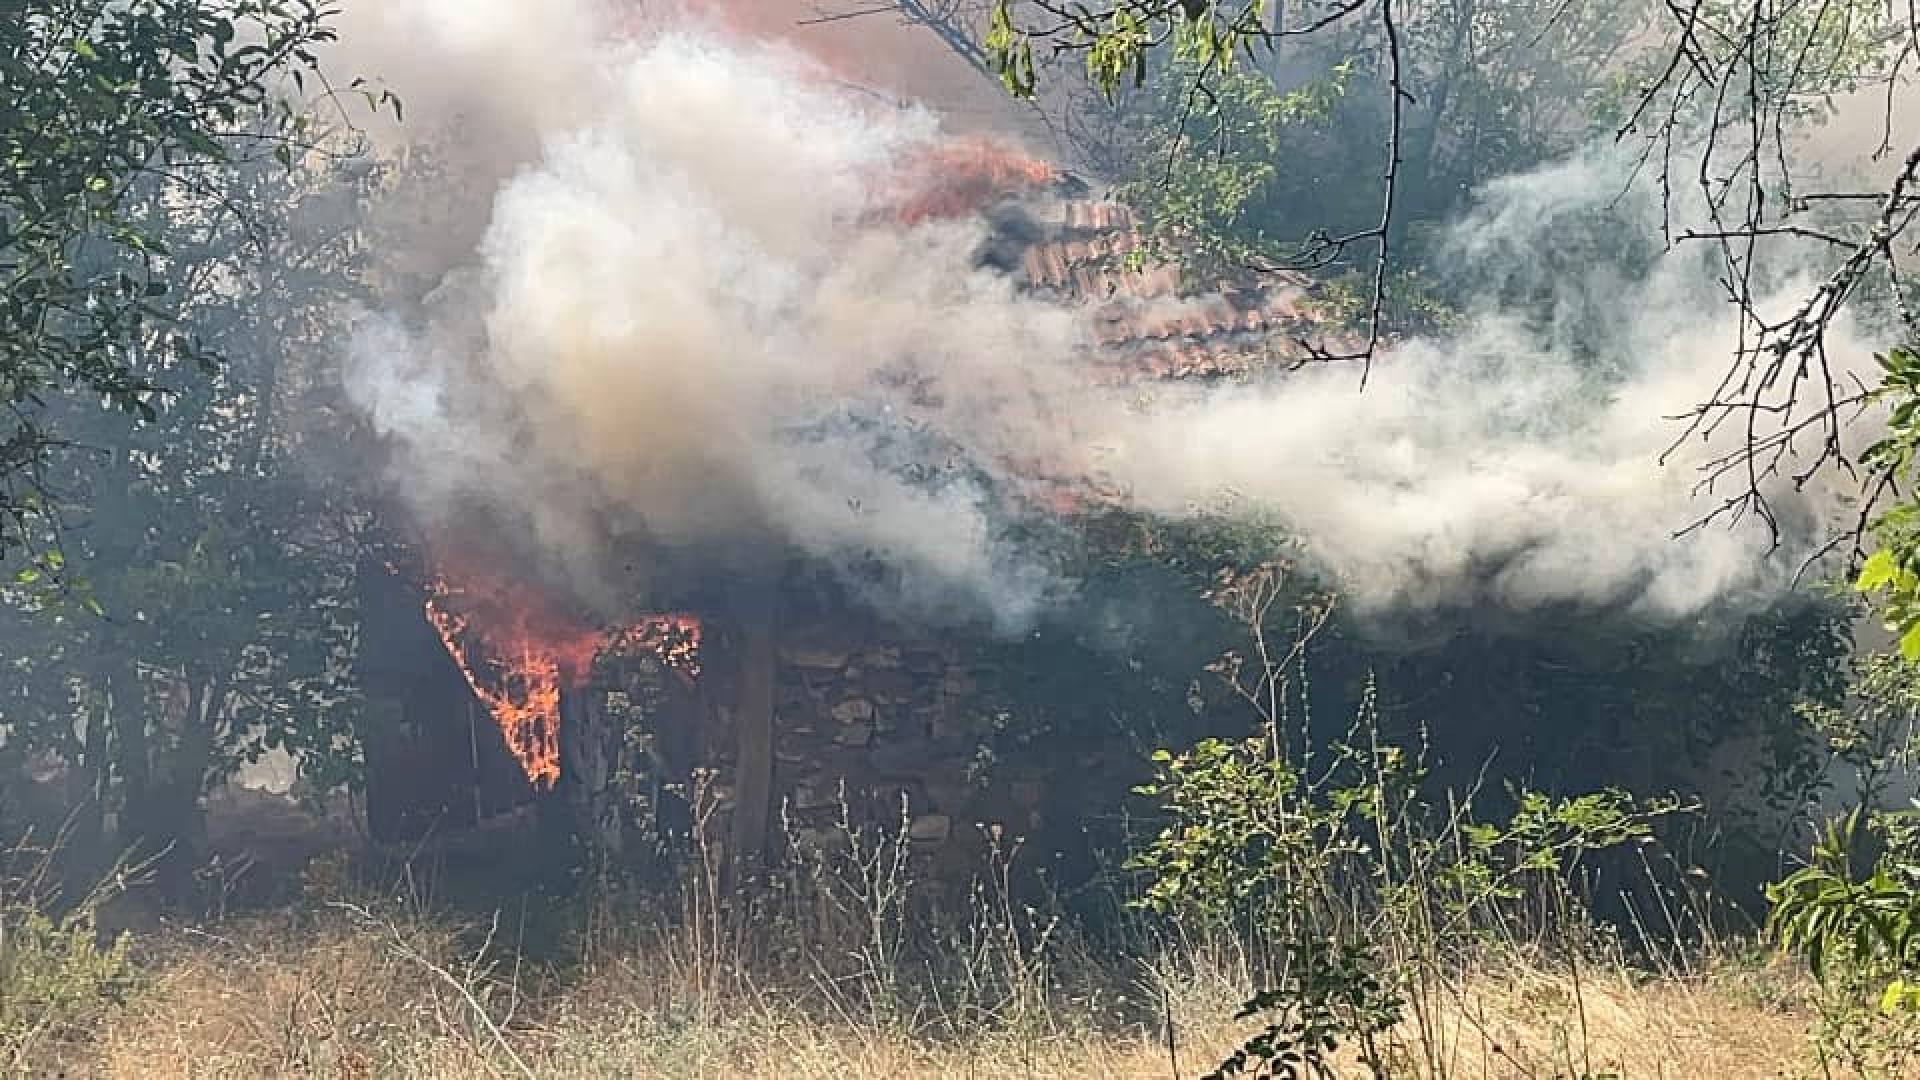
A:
(344, 996)
(1522, 1021)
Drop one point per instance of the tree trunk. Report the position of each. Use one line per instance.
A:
(1423, 156)
(161, 811)
(83, 837)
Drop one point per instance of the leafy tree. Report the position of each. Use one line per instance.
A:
(1713, 95)
(1853, 912)
(1227, 178)
(1256, 160)
(216, 621)
(104, 104)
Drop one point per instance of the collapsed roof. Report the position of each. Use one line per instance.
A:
(1147, 318)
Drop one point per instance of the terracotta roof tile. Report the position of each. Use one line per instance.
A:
(1144, 320)
(1091, 215)
(1146, 323)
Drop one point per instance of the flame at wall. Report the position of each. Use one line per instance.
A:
(675, 638)
(519, 651)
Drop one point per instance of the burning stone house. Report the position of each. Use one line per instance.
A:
(762, 713)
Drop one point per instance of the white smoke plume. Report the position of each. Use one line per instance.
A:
(678, 306)
(1511, 463)
(691, 316)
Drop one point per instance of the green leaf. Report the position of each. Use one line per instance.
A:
(1899, 996)
(1879, 571)
(1910, 643)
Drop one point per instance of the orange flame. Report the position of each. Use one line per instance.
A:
(675, 638)
(518, 650)
(959, 176)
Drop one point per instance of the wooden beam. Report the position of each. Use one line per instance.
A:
(757, 659)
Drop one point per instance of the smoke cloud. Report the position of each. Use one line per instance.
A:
(1513, 462)
(691, 318)
(672, 299)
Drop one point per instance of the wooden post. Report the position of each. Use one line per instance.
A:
(754, 610)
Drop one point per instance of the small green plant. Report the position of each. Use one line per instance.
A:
(1858, 936)
(1341, 854)
(57, 971)
(1326, 993)
(1891, 575)
(1871, 925)
(1852, 914)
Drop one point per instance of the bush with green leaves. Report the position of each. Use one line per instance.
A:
(58, 972)
(56, 976)
(1325, 994)
(1859, 934)
(1361, 888)
(1891, 575)
(1852, 914)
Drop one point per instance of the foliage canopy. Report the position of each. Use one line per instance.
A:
(104, 105)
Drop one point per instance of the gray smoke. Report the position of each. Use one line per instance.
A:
(669, 300)
(1513, 462)
(690, 317)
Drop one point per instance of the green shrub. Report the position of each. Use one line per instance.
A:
(1852, 914)
(56, 978)
(1366, 890)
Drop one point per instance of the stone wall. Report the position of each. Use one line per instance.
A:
(898, 729)
(879, 731)
(874, 728)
